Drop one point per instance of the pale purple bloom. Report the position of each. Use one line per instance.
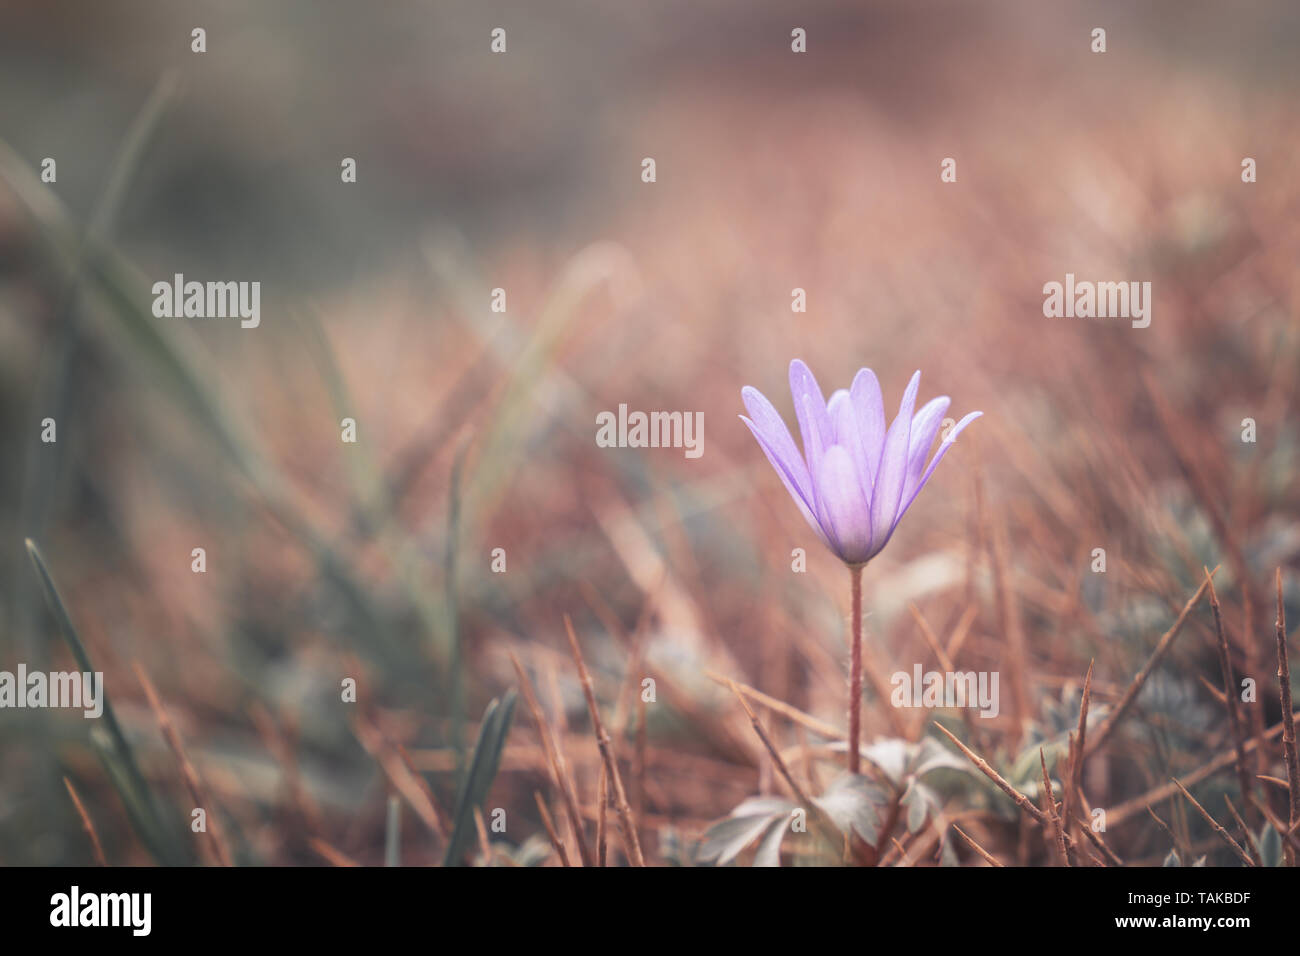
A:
(855, 479)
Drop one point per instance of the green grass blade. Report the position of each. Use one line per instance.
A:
(482, 771)
(373, 506)
(115, 750)
(170, 352)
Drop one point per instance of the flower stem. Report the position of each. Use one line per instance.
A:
(855, 670)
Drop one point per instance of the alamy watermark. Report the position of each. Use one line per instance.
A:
(129, 910)
(651, 430)
(1098, 300)
(65, 689)
(946, 689)
(208, 300)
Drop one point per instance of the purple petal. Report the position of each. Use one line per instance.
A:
(848, 432)
(934, 462)
(815, 451)
(777, 437)
(893, 467)
(925, 425)
(783, 471)
(847, 514)
(870, 410)
(810, 409)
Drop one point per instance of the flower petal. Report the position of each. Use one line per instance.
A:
(815, 451)
(784, 472)
(810, 409)
(769, 423)
(848, 432)
(870, 409)
(925, 425)
(846, 510)
(934, 462)
(892, 473)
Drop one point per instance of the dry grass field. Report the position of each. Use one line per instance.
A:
(434, 561)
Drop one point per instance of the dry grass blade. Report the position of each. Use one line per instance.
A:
(1078, 741)
(828, 828)
(410, 785)
(1049, 807)
(621, 806)
(899, 849)
(330, 854)
(1022, 801)
(602, 803)
(1166, 790)
(988, 857)
(775, 754)
(1225, 531)
(193, 783)
(1162, 825)
(1116, 715)
(1288, 834)
(962, 631)
(931, 640)
(554, 761)
(1009, 615)
(1230, 692)
(549, 825)
(639, 758)
(1288, 718)
(1173, 838)
(819, 727)
(277, 742)
(95, 845)
(1219, 696)
(1098, 842)
(1224, 834)
(1251, 846)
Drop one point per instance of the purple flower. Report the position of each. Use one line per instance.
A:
(855, 480)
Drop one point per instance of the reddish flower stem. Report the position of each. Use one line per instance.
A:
(855, 670)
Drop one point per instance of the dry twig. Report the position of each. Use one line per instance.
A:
(621, 806)
(1223, 834)
(95, 845)
(193, 783)
(1116, 715)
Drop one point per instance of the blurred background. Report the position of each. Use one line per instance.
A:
(475, 429)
